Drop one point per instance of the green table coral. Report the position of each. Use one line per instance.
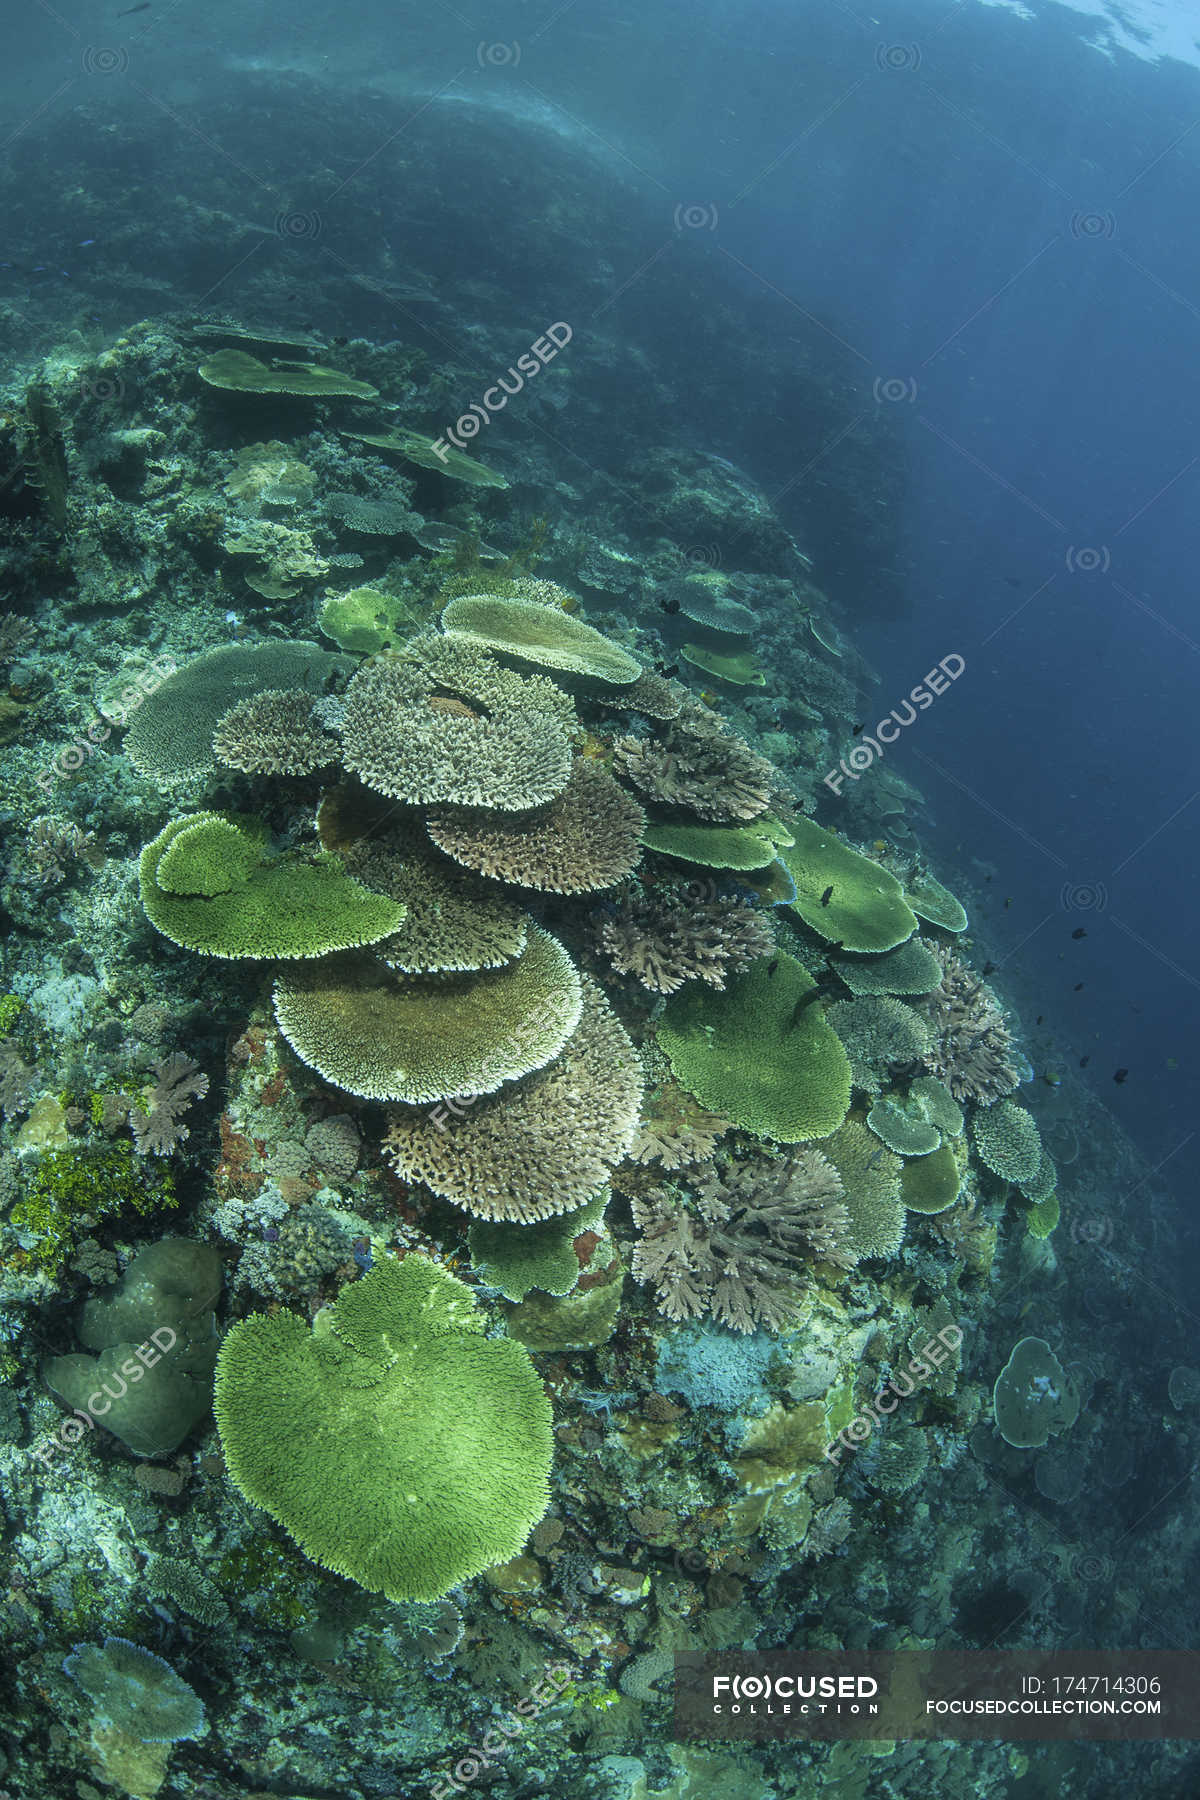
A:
(844, 897)
(136, 1692)
(516, 1258)
(753, 846)
(1007, 1140)
(206, 885)
(930, 900)
(760, 1053)
(240, 373)
(1033, 1396)
(398, 1444)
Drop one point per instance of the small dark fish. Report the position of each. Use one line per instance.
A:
(1120, 1076)
(669, 606)
(666, 670)
(1084, 1061)
(827, 896)
(855, 729)
(1040, 1019)
(988, 967)
(772, 966)
(1008, 903)
(1013, 580)
(873, 1160)
(1078, 988)
(1079, 932)
(130, 10)
(339, 341)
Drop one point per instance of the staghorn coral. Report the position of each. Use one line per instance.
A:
(741, 1254)
(158, 1130)
(698, 763)
(663, 941)
(675, 1130)
(971, 1047)
(443, 724)
(16, 634)
(275, 732)
(54, 843)
(540, 1146)
(587, 839)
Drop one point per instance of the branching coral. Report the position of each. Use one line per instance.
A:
(740, 1255)
(160, 1128)
(971, 1047)
(276, 732)
(664, 942)
(699, 764)
(398, 1444)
